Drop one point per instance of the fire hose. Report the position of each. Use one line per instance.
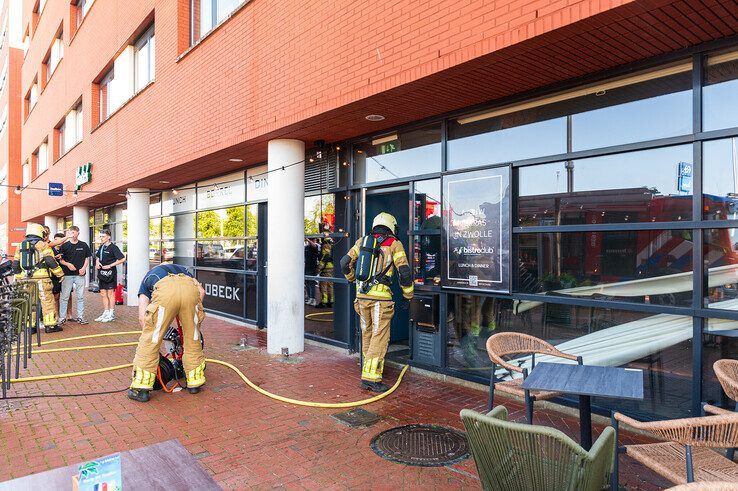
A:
(329, 405)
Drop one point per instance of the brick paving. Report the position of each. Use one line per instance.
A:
(243, 439)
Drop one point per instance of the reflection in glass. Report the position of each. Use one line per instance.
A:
(642, 186)
(252, 220)
(226, 222)
(328, 321)
(642, 266)
(167, 250)
(154, 252)
(319, 210)
(184, 226)
(402, 154)
(428, 205)
(656, 108)
(224, 291)
(720, 179)
(251, 300)
(721, 259)
(184, 252)
(660, 345)
(720, 92)
(427, 259)
(220, 254)
(719, 341)
(167, 227)
(155, 228)
(251, 253)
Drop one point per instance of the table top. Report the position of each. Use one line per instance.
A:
(166, 465)
(589, 380)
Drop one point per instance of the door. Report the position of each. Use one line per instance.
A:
(396, 202)
(256, 263)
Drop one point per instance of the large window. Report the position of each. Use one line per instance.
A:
(144, 59)
(720, 91)
(26, 173)
(720, 179)
(56, 53)
(721, 272)
(206, 14)
(70, 130)
(41, 155)
(82, 7)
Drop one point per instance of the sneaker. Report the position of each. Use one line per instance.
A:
(111, 316)
(81, 320)
(103, 316)
(61, 322)
(106, 318)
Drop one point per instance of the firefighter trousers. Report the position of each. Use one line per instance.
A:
(46, 297)
(375, 317)
(326, 287)
(173, 296)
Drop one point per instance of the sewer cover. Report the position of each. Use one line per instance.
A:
(422, 445)
(358, 418)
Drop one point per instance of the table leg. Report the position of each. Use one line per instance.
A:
(585, 422)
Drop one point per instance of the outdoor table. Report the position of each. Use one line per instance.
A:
(586, 381)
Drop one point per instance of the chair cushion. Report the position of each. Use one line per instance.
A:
(669, 460)
(513, 387)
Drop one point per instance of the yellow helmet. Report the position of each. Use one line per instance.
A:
(35, 229)
(387, 220)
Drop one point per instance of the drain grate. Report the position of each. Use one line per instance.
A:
(358, 418)
(422, 445)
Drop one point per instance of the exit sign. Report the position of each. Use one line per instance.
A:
(84, 175)
(389, 147)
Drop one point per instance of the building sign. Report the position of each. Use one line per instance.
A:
(56, 189)
(224, 292)
(221, 191)
(257, 183)
(183, 200)
(477, 229)
(84, 175)
(684, 178)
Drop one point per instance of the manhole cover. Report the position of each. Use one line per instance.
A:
(357, 418)
(422, 445)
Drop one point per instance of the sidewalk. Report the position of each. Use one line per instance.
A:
(242, 438)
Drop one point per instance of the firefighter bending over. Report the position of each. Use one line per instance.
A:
(370, 263)
(168, 291)
(34, 261)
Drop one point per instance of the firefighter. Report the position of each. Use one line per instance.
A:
(374, 302)
(168, 291)
(325, 268)
(34, 261)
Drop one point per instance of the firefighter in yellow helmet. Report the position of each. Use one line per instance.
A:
(374, 302)
(34, 261)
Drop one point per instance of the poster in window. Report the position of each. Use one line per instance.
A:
(477, 229)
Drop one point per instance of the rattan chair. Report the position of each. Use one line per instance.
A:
(687, 453)
(705, 486)
(514, 456)
(727, 374)
(512, 343)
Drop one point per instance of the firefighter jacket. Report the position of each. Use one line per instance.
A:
(326, 257)
(47, 266)
(392, 252)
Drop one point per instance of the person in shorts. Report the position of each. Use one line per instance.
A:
(107, 258)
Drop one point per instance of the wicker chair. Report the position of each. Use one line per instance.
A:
(686, 455)
(514, 456)
(727, 374)
(705, 486)
(513, 343)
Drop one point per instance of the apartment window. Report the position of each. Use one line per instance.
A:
(144, 59)
(83, 6)
(56, 53)
(4, 121)
(31, 97)
(70, 131)
(42, 158)
(26, 45)
(132, 70)
(26, 173)
(40, 8)
(206, 14)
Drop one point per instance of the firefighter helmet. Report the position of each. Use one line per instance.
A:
(386, 220)
(35, 229)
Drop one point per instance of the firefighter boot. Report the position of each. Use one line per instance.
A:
(141, 385)
(140, 395)
(196, 378)
(374, 386)
(50, 324)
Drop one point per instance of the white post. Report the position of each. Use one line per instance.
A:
(50, 222)
(285, 250)
(138, 241)
(81, 218)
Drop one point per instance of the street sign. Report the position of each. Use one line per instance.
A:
(56, 189)
(684, 178)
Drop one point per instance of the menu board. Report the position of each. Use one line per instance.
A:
(477, 229)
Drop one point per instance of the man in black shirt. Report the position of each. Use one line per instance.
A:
(75, 260)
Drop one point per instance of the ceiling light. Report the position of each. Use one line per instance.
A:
(163, 182)
(235, 160)
(375, 117)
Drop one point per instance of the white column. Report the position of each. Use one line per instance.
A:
(81, 218)
(50, 222)
(285, 250)
(138, 241)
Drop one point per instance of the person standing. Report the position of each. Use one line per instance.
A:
(107, 257)
(56, 282)
(75, 260)
(374, 302)
(167, 292)
(325, 268)
(311, 269)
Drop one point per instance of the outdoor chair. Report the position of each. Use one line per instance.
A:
(515, 456)
(687, 453)
(705, 486)
(726, 372)
(511, 343)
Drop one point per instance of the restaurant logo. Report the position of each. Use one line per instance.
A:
(223, 291)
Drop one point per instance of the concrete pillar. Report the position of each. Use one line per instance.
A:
(285, 250)
(81, 218)
(50, 222)
(138, 241)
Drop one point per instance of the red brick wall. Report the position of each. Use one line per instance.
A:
(274, 64)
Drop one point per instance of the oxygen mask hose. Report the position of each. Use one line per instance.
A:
(325, 405)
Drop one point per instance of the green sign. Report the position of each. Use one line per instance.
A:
(389, 147)
(84, 174)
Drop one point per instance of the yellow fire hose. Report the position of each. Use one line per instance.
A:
(329, 405)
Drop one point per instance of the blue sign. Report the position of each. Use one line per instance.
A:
(56, 189)
(684, 179)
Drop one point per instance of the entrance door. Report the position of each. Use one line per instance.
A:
(256, 263)
(396, 202)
